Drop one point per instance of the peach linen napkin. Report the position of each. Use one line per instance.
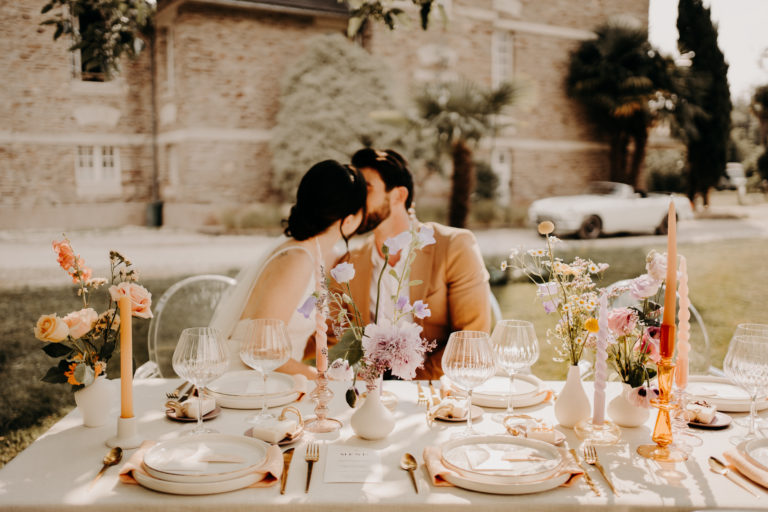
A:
(437, 470)
(746, 467)
(271, 469)
(301, 385)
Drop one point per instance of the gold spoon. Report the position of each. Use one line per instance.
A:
(408, 463)
(110, 459)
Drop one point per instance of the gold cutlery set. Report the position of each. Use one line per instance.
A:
(311, 456)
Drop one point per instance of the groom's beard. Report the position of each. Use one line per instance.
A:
(375, 217)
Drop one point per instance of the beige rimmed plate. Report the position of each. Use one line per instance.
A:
(249, 383)
(183, 460)
(196, 488)
(480, 485)
(501, 459)
(722, 393)
(757, 452)
(528, 391)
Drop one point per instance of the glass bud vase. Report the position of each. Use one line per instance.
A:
(373, 420)
(572, 404)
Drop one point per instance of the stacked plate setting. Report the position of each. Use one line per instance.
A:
(527, 390)
(202, 464)
(722, 393)
(503, 465)
(245, 390)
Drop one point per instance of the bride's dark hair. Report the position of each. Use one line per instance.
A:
(328, 192)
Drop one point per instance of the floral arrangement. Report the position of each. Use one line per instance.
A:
(382, 345)
(84, 340)
(635, 329)
(566, 289)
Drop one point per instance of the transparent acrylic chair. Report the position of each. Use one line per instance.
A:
(188, 303)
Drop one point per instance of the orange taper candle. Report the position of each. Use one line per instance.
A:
(667, 343)
(126, 358)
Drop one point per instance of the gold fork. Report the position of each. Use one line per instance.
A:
(175, 393)
(312, 456)
(433, 394)
(590, 456)
(422, 397)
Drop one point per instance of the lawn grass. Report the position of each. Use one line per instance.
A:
(727, 283)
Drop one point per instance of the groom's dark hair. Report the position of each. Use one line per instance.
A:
(391, 166)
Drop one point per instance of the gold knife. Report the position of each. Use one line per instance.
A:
(287, 456)
(590, 482)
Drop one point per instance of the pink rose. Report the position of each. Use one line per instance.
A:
(141, 299)
(51, 328)
(649, 344)
(80, 322)
(622, 320)
(656, 265)
(644, 286)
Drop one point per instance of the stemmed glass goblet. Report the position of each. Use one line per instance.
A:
(516, 347)
(468, 362)
(746, 364)
(265, 346)
(200, 357)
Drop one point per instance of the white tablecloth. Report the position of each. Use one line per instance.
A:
(54, 473)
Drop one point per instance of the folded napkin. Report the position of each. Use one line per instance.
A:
(273, 430)
(437, 470)
(302, 386)
(449, 408)
(270, 470)
(746, 467)
(189, 408)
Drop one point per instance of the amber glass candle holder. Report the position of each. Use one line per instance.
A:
(663, 450)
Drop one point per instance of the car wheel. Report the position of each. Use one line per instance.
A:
(663, 227)
(591, 227)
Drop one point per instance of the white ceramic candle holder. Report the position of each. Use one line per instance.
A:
(127, 436)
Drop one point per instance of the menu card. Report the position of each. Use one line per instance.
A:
(352, 464)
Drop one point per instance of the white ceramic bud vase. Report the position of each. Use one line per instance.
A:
(572, 404)
(94, 402)
(623, 412)
(373, 420)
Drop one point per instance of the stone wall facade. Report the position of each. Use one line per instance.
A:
(217, 80)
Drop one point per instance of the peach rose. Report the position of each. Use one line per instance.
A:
(80, 322)
(656, 265)
(141, 299)
(51, 328)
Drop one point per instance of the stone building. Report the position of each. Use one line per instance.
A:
(195, 133)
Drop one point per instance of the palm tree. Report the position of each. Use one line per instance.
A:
(460, 114)
(615, 76)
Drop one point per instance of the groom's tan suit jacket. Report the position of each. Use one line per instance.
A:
(454, 283)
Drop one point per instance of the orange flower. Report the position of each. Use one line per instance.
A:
(71, 375)
(64, 254)
(591, 325)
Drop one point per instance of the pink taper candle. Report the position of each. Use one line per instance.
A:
(684, 328)
(601, 369)
(126, 358)
(667, 343)
(321, 338)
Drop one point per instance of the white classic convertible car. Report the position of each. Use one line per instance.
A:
(608, 207)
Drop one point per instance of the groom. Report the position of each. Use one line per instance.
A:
(454, 281)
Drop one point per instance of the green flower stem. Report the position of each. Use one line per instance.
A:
(378, 286)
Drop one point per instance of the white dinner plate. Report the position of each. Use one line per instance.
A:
(529, 390)
(252, 402)
(496, 488)
(249, 383)
(183, 459)
(722, 393)
(757, 452)
(196, 488)
(501, 459)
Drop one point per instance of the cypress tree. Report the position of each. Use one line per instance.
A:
(707, 89)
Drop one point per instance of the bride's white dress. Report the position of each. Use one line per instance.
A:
(227, 317)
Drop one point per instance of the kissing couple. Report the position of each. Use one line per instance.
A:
(374, 194)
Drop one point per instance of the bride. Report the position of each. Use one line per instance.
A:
(330, 206)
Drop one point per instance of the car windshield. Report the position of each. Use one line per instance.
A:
(602, 188)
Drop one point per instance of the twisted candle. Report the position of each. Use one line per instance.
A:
(601, 369)
(321, 338)
(684, 327)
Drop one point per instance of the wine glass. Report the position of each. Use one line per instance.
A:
(751, 329)
(468, 361)
(200, 357)
(746, 364)
(264, 347)
(516, 347)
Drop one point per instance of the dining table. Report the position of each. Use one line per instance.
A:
(56, 471)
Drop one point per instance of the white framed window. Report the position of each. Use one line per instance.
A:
(502, 56)
(97, 171)
(78, 68)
